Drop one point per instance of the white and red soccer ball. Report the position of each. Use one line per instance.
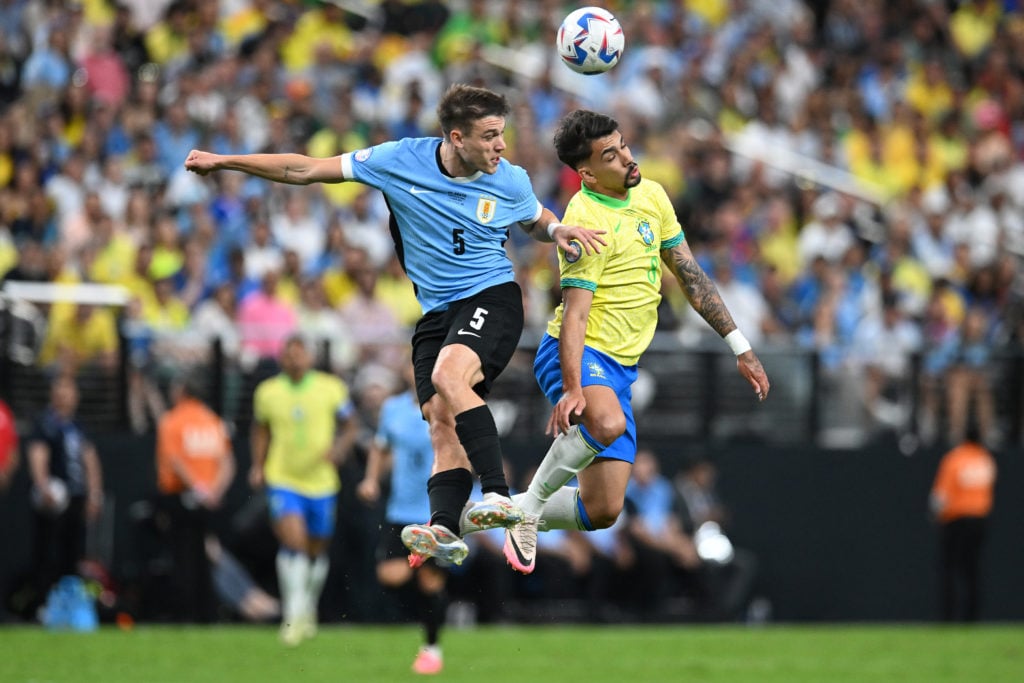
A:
(590, 40)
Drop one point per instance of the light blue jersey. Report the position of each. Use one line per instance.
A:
(449, 232)
(402, 430)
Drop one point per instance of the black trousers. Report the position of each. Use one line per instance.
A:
(58, 544)
(192, 583)
(962, 541)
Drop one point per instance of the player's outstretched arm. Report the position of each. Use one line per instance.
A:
(293, 169)
(571, 339)
(548, 229)
(704, 297)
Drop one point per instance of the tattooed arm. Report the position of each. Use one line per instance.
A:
(292, 169)
(704, 297)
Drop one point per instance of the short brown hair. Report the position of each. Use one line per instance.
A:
(463, 104)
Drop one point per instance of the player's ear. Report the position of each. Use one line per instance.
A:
(585, 173)
(456, 137)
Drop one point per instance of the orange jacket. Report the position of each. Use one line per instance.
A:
(964, 483)
(195, 437)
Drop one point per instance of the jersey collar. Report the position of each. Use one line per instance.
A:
(446, 174)
(610, 202)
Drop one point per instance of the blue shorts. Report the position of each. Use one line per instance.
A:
(318, 513)
(598, 369)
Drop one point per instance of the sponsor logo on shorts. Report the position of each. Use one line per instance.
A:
(596, 370)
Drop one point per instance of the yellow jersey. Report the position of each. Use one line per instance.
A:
(301, 418)
(626, 276)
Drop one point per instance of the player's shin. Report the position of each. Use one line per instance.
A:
(292, 577)
(568, 455)
(479, 436)
(315, 585)
(560, 511)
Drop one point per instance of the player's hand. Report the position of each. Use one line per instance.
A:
(368, 491)
(750, 367)
(202, 162)
(590, 240)
(571, 404)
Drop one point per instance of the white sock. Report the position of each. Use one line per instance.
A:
(567, 456)
(292, 578)
(560, 510)
(315, 586)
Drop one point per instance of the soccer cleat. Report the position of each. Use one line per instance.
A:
(521, 544)
(490, 513)
(310, 627)
(434, 541)
(428, 661)
(292, 632)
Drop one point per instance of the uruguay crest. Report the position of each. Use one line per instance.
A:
(486, 208)
(646, 234)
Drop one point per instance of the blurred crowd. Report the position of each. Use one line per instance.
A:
(909, 244)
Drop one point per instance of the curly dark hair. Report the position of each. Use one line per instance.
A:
(577, 130)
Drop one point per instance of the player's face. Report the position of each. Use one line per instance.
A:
(296, 359)
(480, 148)
(610, 169)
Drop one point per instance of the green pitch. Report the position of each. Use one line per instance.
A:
(684, 654)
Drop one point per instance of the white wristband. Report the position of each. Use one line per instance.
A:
(551, 230)
(737, 342)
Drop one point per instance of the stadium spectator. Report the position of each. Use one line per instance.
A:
(265, 320)
(969, 387)
(8, 446)
(666, 559)
(324, 327)
(727, 573)
(195, 465)
(961, 500)
(67, 487)
(586, 364)
(296, 449)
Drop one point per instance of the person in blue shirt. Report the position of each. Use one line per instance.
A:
(402, 444)
(452, 199)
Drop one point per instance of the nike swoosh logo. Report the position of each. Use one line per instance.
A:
(415, 190)
(472, 334)
(617, 225)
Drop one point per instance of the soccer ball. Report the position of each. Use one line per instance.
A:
(590, 40)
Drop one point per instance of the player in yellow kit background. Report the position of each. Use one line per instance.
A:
(296, 450)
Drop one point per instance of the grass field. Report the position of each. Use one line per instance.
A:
(684, 654)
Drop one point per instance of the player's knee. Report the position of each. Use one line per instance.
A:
(607, 428)
(604, 515)
(446, 382)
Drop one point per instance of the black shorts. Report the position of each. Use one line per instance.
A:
(390, 546)
(490, 323)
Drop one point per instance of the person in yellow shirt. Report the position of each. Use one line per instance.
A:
(85, 335)
(296, 449)
(587, 362)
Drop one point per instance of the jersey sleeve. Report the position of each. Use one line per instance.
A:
(578, 268)
(671, 231)
(260, 405)
(382, 437)
(343, 402)
(527, 207)
(371, 166)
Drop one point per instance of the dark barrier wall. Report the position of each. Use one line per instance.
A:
(839, 535)
(846, 535)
